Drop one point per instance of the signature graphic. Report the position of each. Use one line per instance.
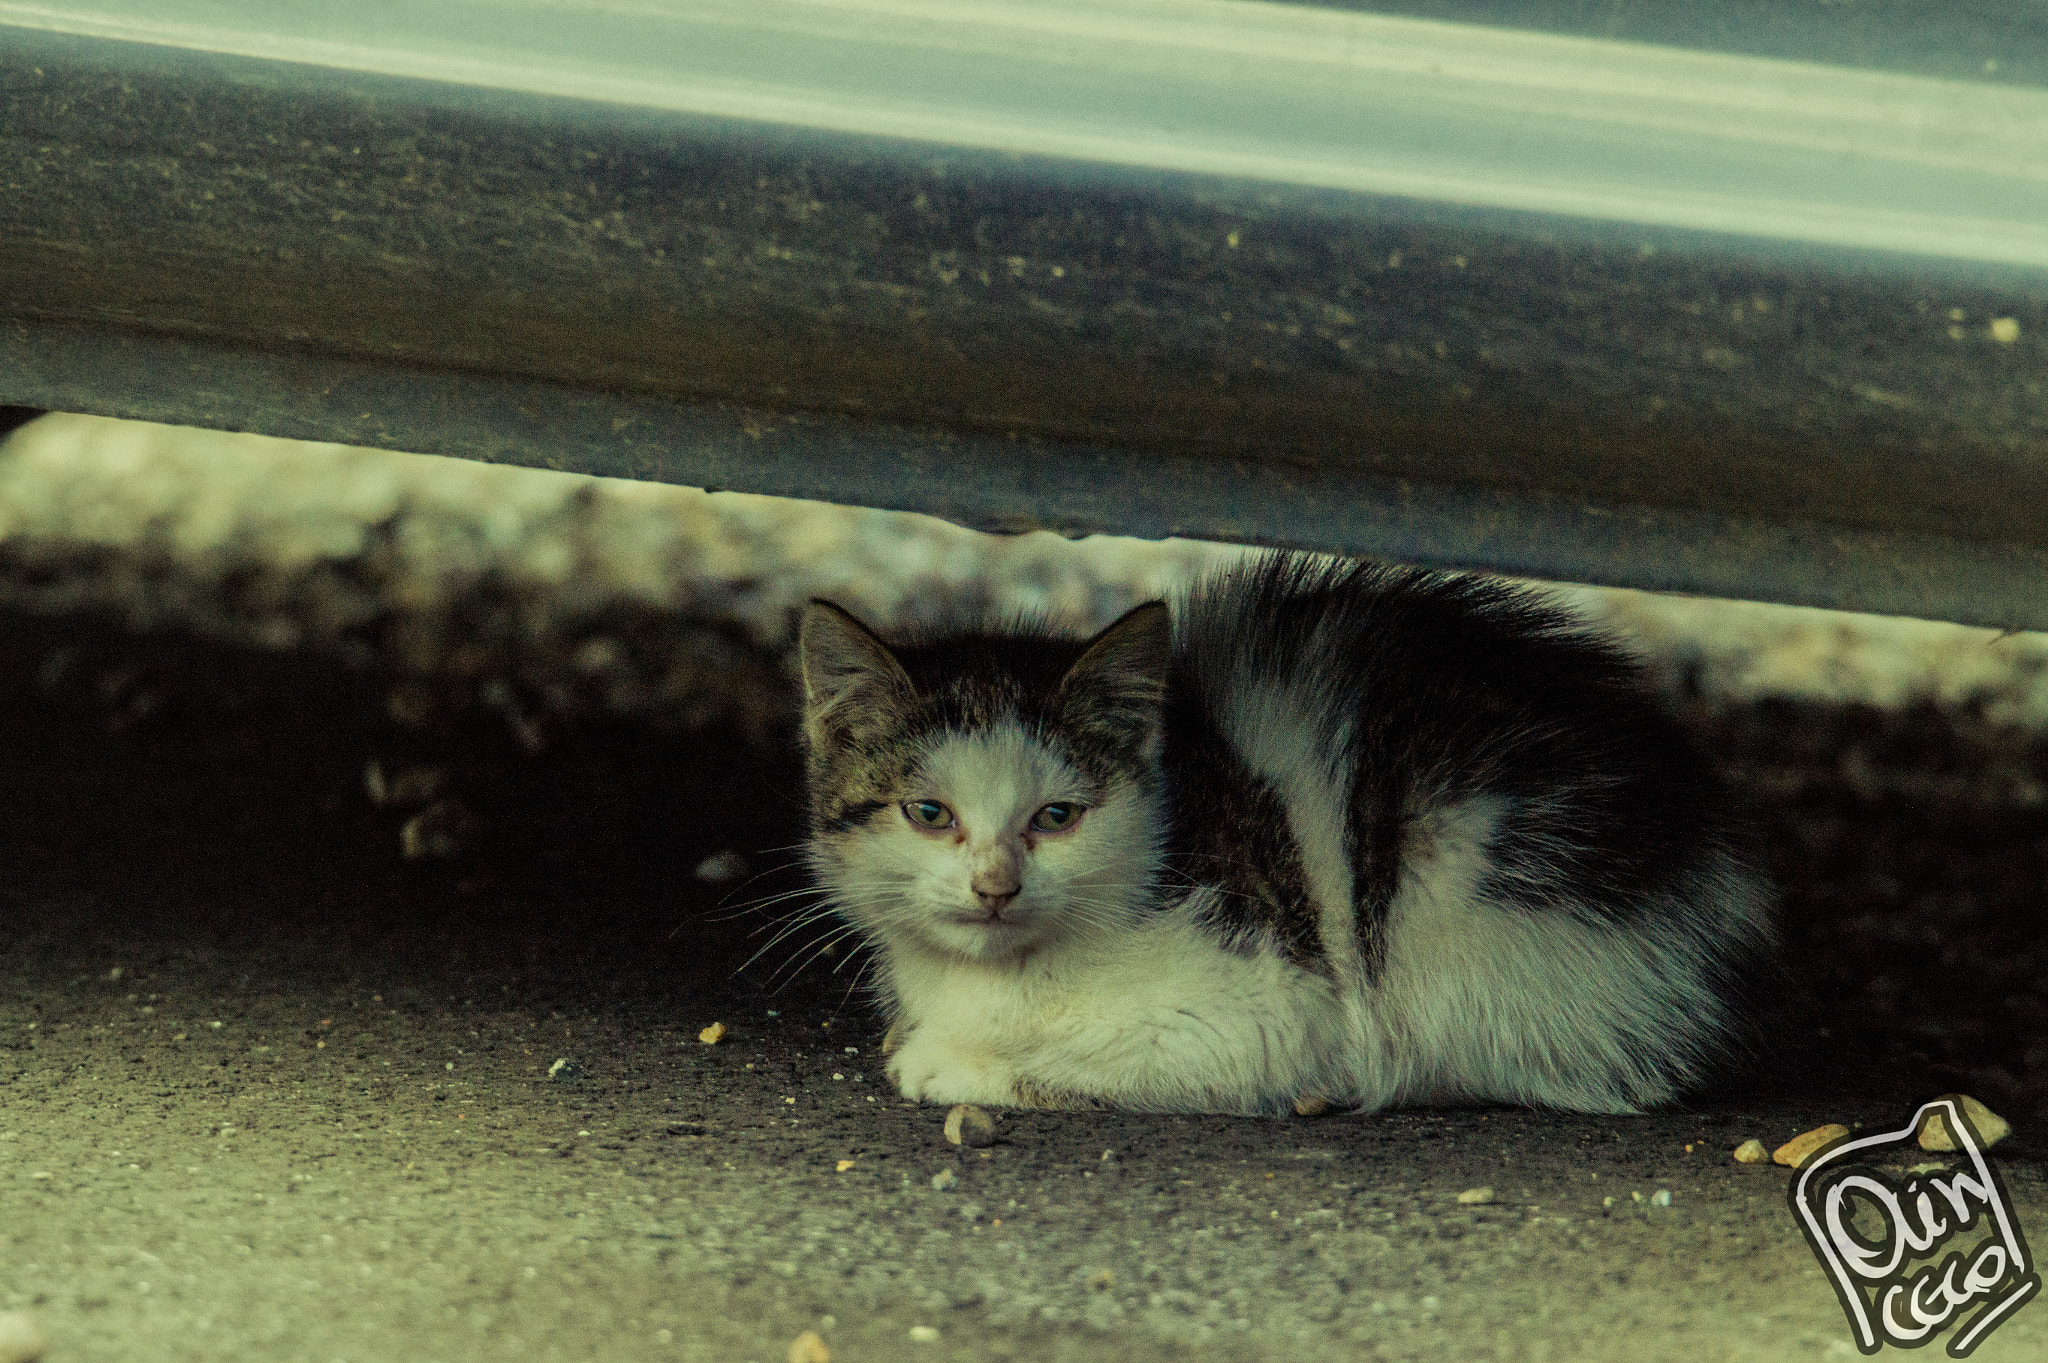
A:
(1911, 1252)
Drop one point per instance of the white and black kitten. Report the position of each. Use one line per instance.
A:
(1322, 834)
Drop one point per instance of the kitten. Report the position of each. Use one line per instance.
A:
(1326, 833)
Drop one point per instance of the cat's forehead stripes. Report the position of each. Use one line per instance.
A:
(847, 815)
(996, 774)
(979, 683)
(869, 699)
(998, 759)
(852, 779)
(999, 711)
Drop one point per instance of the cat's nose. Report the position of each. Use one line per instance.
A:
(996, 898)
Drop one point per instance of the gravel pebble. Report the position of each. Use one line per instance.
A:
(20, 1340)
(1990, 1127)
(809, 1347)
(945, 1181)
(404, 787)
(710, 1035)
(440, 832)
(722, 869)
(969, 1125)
(1804, 1146)
(1471, 1195)
(1751, 1151)
(923, 1334)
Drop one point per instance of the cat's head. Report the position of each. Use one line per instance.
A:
(984, 795)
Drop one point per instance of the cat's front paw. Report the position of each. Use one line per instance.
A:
(928, 1070)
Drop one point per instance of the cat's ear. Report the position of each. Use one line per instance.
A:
(848, 672)
(1129, 658)
(1120, 679)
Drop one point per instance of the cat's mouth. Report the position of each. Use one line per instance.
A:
(985, 918)
(1001, 922)
(985, 934)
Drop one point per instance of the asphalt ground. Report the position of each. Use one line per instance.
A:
(270, 1089)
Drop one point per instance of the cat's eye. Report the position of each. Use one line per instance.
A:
(928, 814)
(1057, 817)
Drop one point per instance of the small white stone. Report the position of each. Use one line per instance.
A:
(809, 1347)
(20, 1340)
(1794, 1154)
(1471, 1195)
(923, 1334)
(1990, 1127)
(1661, 1198)
(409, 786)
(945, 1181)
(721, 869)
(971, 1126)
(440, 832)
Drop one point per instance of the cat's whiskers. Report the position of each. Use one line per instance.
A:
(768, 946)
(1106, 914)
(787, 915)
(796, 966)
(718, 913)
(794, 920)
(765, 903)
(776, 868)
(833, 908)
(862, 949)
(867, 962)
(832, 905)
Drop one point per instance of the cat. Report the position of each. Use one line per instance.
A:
(1323, 834)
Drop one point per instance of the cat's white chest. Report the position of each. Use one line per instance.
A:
(932, 1066)
(969, 1033)
(1164, 1021)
